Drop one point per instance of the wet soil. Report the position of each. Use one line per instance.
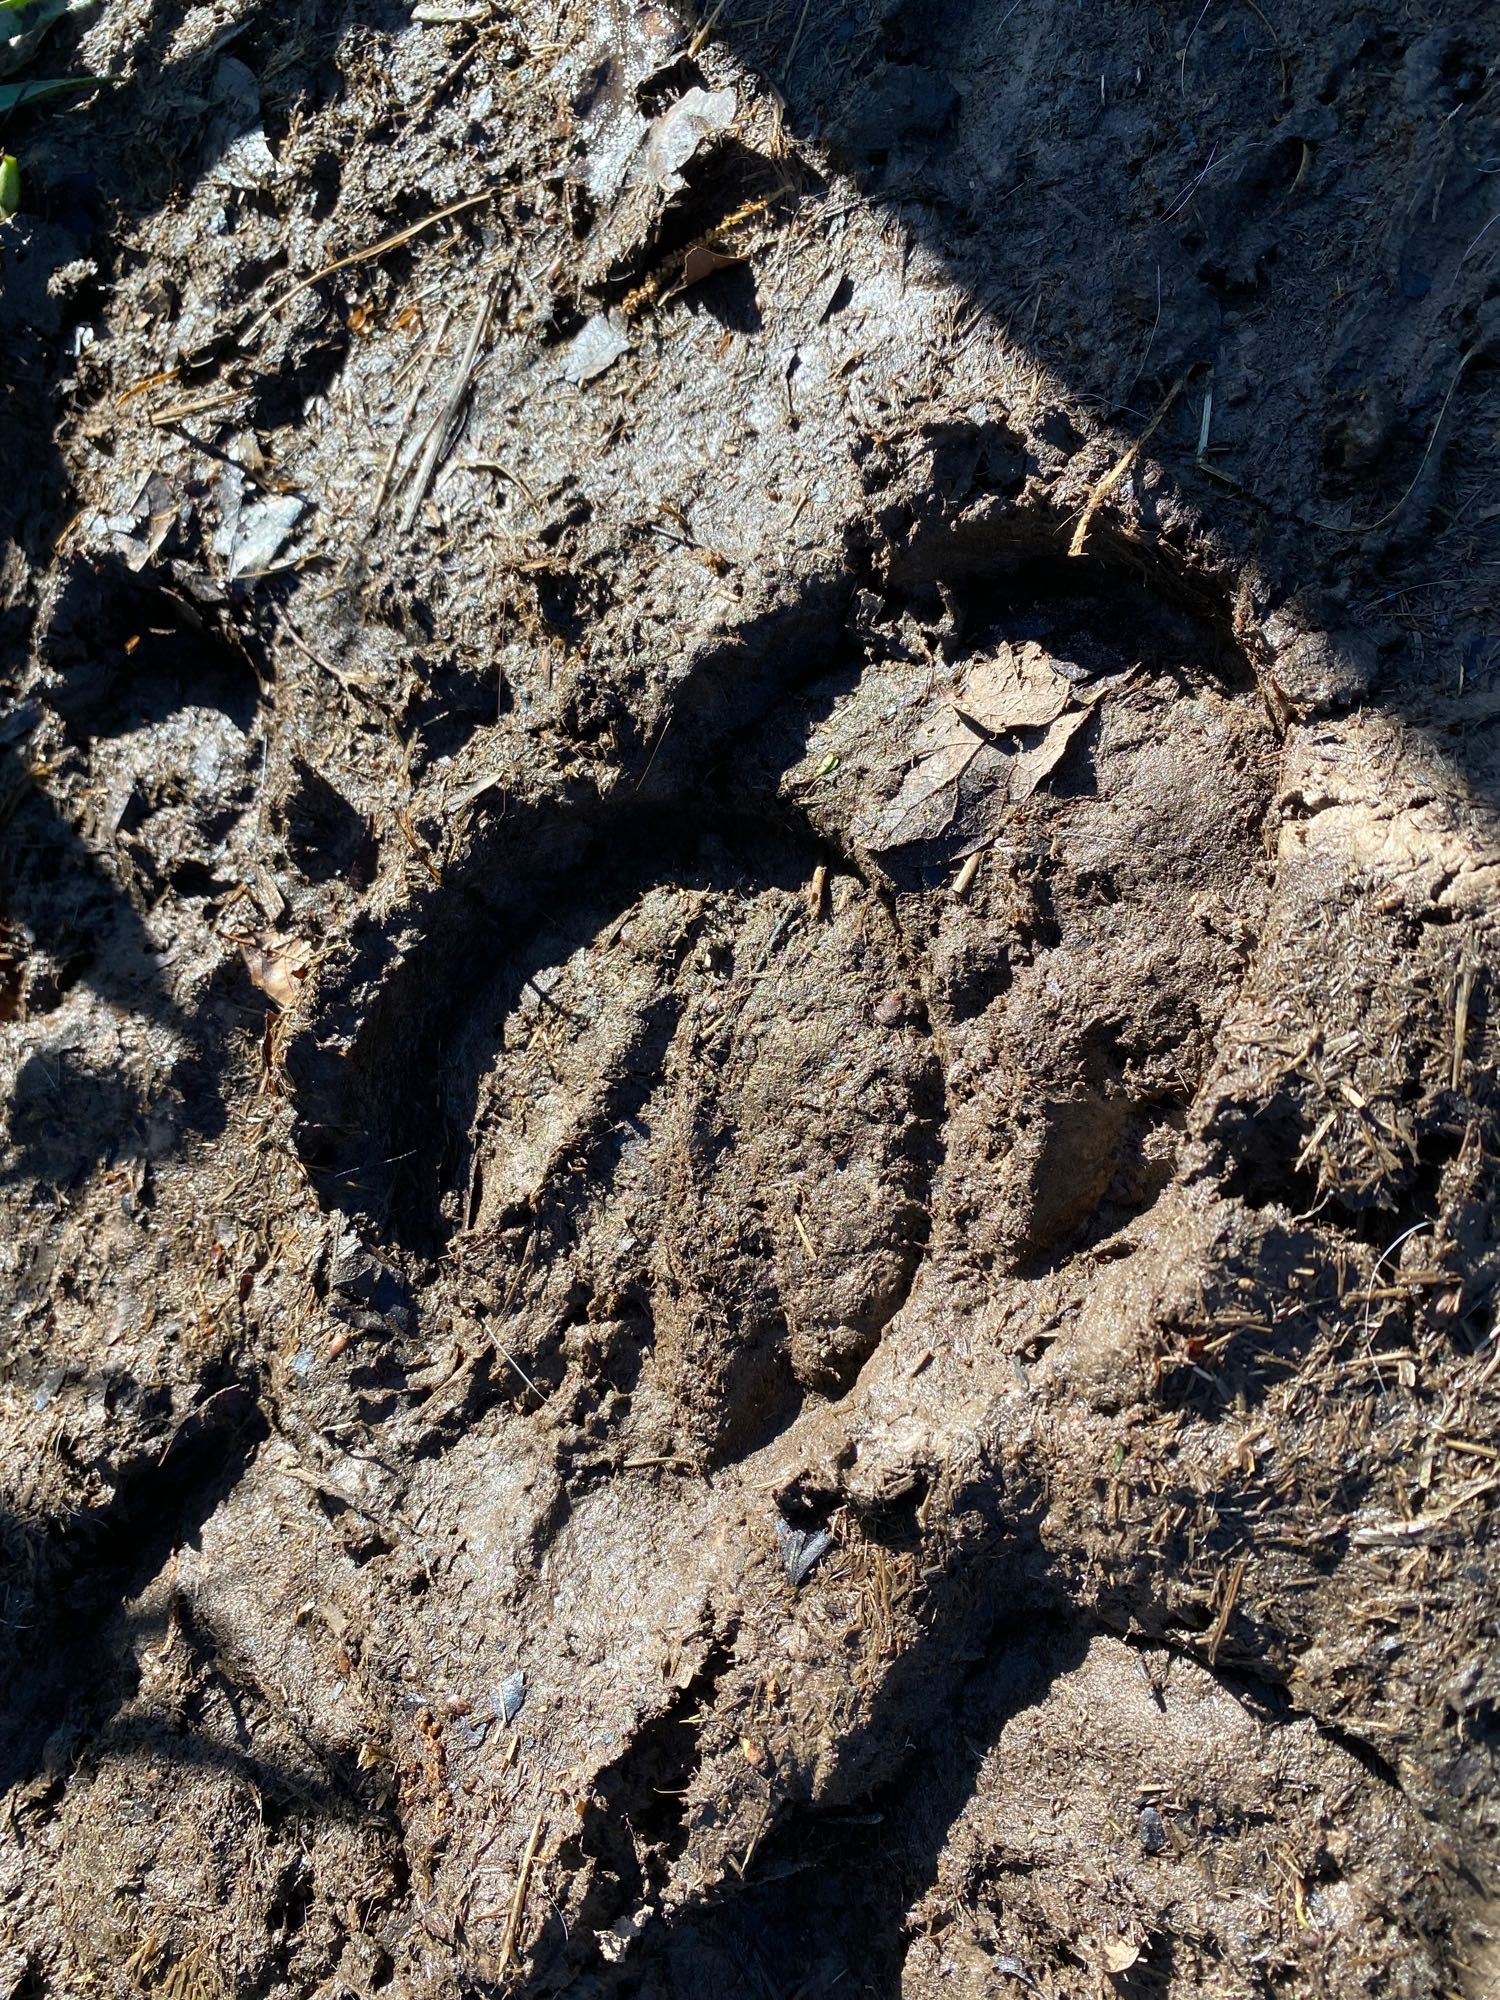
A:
(748, 862)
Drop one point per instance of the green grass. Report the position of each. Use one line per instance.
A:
(23, 23)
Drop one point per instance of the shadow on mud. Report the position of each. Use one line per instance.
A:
(67, 1586)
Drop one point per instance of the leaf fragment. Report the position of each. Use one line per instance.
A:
(278, 967)
(1000, 735)
(14, 95)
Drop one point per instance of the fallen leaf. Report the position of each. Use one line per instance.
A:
(278, 967)
(636, 170)
(1029, 767)
(1000, 735)
(702, 261)
(139, 535)
(1119, 1954)
(1016, 687)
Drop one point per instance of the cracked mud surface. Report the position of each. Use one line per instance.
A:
(749, 1133)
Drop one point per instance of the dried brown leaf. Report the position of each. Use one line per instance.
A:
(1005, 731)
(278, 967)
(702, 261)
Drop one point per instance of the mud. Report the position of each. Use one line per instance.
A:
(748, 844)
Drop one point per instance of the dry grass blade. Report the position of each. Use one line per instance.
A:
(441, 434)
(391, 242)
(518, 1901)
(1384, 521)
(1118, 471)
(388, 470)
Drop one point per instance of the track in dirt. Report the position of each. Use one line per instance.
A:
(1145, 1216)
(678, 1063)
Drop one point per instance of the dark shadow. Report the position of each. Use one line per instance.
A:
(69, 1661)
(71, 1669)
(825, 1902)
(1139, 197)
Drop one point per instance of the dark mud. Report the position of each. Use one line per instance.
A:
(746, 979)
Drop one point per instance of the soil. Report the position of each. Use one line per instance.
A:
(747, 956)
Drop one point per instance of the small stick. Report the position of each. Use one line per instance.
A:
(151, 382)
(392, 242)
(503, 471)
(176, 411)
(1226, 1609)
(417, 845)
(964, 881)
(817, 895)
(438, 437)
(518, 1901)
(782, 925)
(1118, 471)
(1461, 1022)
(700, 41)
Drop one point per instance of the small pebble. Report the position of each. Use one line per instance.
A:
(890, 1011)
(1152, 1830)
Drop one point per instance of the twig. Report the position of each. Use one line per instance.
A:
(504, 472)
(518, 1901)
(1118, 471)
(1226, 1609)
(151, 382)
(392, 242)
(1461, 1001)
(176, 411)
(439, 436)
(700, 41)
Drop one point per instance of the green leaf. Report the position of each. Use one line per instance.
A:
(19, 17)
(10, 185)
(23, 23)
(14, 95)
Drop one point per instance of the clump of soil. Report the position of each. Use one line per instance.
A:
(749, 856)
